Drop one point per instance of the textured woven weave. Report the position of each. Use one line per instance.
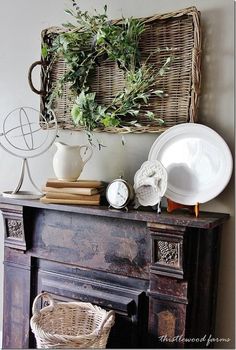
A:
(70, 325)
(179, 31)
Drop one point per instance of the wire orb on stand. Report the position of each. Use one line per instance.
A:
(26, 133)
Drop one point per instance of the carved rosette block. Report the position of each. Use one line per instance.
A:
(167, 250)
(167, 253)
(14, 227)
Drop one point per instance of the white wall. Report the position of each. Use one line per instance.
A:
(21, 22)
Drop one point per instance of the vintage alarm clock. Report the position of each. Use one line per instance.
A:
(119, 193)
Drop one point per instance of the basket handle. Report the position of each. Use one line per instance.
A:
(33, 65)
(109, 315)
(44, 294)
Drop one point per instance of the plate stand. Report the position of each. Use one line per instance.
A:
(171, 206)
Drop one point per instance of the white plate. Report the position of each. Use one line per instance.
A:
(198, 162)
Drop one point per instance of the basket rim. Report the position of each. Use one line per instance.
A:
(191, 11)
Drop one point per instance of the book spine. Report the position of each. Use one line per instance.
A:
(62, 195)
(80, 184)
(73, 190)
(68, 201)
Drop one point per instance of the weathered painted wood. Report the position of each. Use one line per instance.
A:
(149, 268)
(16, 307)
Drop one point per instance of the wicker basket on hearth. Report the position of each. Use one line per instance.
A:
(70, 325)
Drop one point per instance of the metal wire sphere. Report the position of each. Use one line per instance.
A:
(27, 133)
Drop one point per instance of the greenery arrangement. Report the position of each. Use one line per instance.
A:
(83, 45)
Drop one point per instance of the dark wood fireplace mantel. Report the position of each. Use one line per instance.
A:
(157, 271)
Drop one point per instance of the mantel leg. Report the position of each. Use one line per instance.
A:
(183, 286)
(167, 312)
(17, 279)
(16, 307)
(168, 289)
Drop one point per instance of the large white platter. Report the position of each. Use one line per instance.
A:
(198, 162)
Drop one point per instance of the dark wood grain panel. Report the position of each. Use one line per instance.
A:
(93, 242)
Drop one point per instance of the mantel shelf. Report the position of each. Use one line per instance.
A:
(206, 220)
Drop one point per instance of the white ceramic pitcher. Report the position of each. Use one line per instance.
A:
(68, 162)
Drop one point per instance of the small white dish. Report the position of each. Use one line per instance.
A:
(21, 195)
(198, 162)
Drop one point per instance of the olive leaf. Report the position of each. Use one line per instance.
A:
(86, 41)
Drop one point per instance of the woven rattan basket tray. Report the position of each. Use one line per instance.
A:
(179, 31)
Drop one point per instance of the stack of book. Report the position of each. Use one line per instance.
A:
(67, 192)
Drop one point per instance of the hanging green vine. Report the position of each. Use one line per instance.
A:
(83, 44)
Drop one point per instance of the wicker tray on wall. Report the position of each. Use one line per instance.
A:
(179, 31)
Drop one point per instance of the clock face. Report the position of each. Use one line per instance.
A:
(117, 194)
